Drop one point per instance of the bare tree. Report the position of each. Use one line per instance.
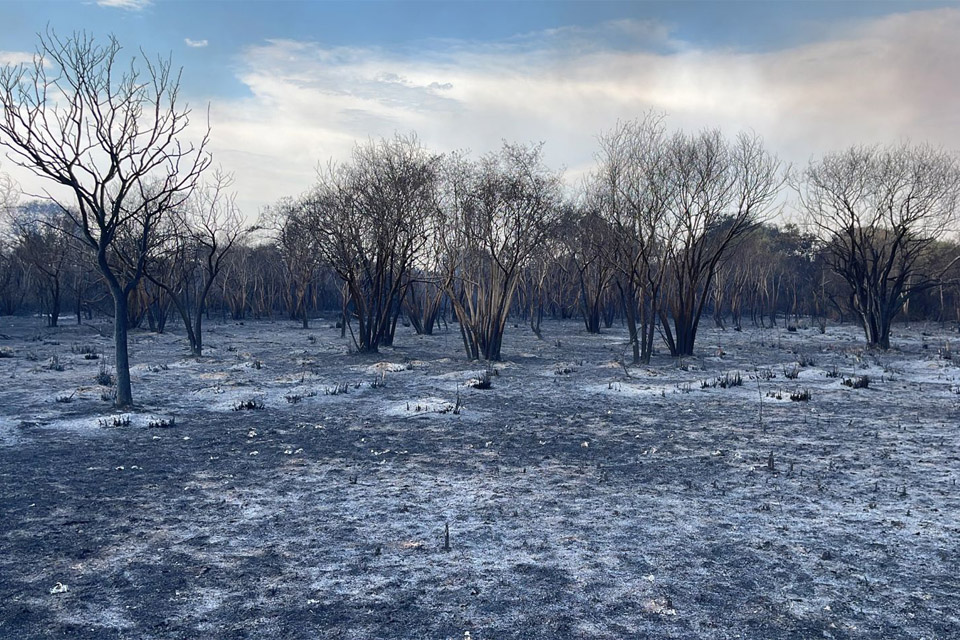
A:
(532, 286)
(370, 218)
(630, 192)
(587, 236)
(9, 195)
(424, 299)
(197, 237)
(717, 191)
(43, 238)
(297, 245)
(110, 136)
(502, 209)
(878, 212)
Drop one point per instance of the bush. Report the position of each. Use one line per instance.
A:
(857, 382)
(103, 377)
(337, 389)
(800, 395)
(248, 405)
(115, 421)
(725, 381)
(483, 381)
(805, 360)
(85, 350)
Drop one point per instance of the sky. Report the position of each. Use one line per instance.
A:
(291, 85)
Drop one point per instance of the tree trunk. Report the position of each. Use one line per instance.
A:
(124, 391)
(630, 313)
(55, 304)
(197, 346)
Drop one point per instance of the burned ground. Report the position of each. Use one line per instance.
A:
(281, 487)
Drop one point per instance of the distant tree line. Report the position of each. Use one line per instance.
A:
(447, 259)
(669, 230)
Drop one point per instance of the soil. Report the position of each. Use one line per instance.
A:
(283, 487)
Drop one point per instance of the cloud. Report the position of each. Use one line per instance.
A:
(128, 5)
(196, 44)
(613, 35)
(882, 80)
(15, 57)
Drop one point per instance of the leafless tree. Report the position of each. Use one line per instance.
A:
(502, 207)
(678, 203)
(369, 218)
(196, 239)
(43, 237)
(9, 195)
(424, 299)
(717, 192)
(110, 136)
(878, 212)
(630, 192)
(588, 237)
(296, 243)
(533, 284)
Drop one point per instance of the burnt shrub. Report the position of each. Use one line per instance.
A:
(726, 381)
(857, 382)
(104, 377)
(483, 381)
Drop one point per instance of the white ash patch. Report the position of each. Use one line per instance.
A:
(389, 367)
(8, 431)
(420, 406)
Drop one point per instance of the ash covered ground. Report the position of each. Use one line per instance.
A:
(282, 487)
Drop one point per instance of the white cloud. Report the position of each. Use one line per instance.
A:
(129, 5)
(885, 80)
(879, 81)
(196, 44)
(15, 57)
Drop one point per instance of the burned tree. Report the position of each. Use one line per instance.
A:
(629, 192)
(110, 137)
(9, 194)
(716, 192)
(878, 212)
(296, 243)
(588, 237)
(369, 220)
(196, 238)
(501, 209)
(424, 300)
(42, 237)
